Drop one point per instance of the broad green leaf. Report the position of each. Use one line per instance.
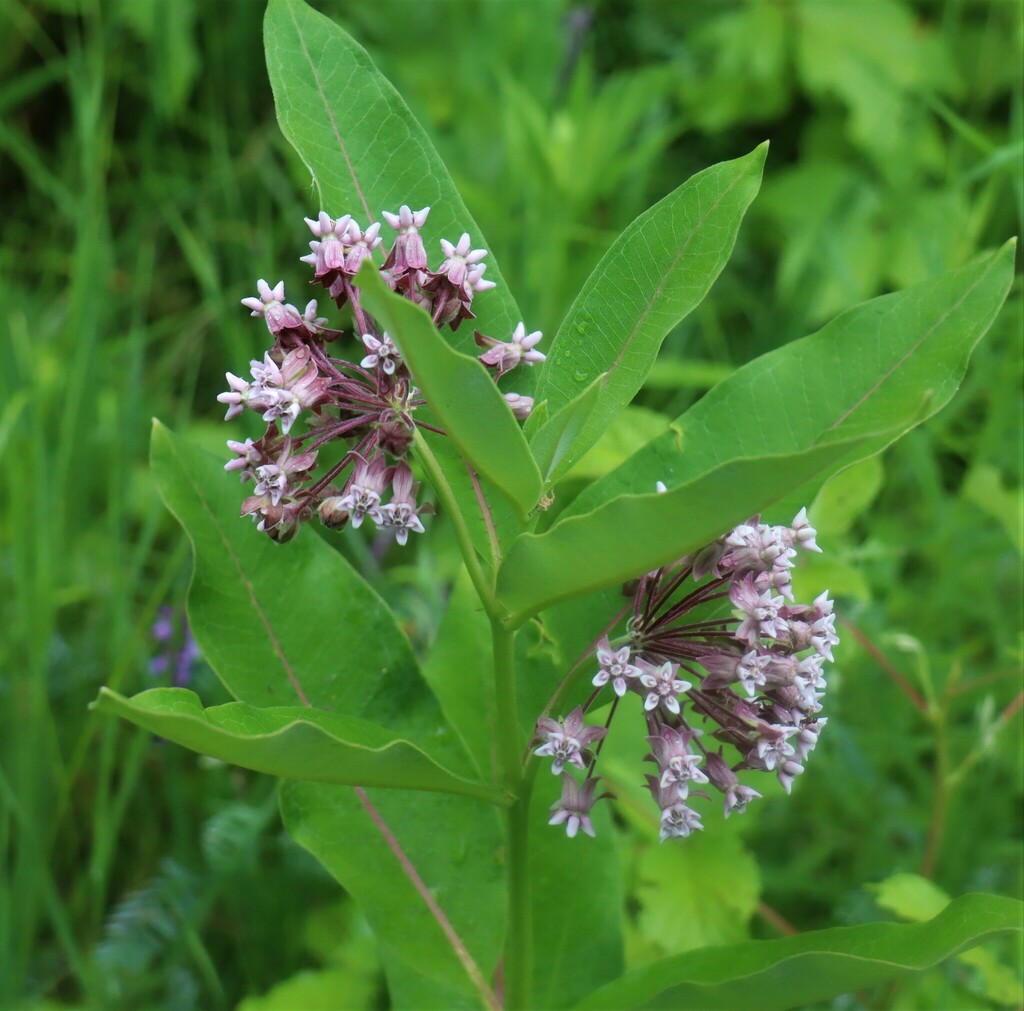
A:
(314, 990)
(294, 742)
(912, 897)
(686, 374)
(883, 366)
(984, 487)
(339, 939)
(690, 893)
(456, 670)
(362, 145)
(343, 648)
(576, 902)
(460, 393)
(554, 654)
(816, 966)
(453, 844)
(636, 533)
(658, 271)
(284, 624)
(847, 495)
(555, 438)
(628, 432)
(489, 517)
(915, 345)
(695, 894)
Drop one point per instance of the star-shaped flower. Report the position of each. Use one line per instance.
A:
(566, 742)
(615, 667)
(664, 687)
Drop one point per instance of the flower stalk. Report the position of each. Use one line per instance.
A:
(517, 969)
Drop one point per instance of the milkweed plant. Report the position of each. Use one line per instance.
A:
(646, 620)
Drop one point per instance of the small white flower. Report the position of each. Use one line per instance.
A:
(615, 667)
(382, 352)
(527, 343)
(664, 687)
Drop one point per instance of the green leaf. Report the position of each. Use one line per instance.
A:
(460, 393)
(292, 741)
(556, 437)
(362, 145)
(314, 990)
(553, 654)
(811, 967)
(700, 893)
(790, 418)
(283, 624)
(489, 517)
(912, 897)
(636, 533)
(628, 432)
(456, 670)
(576, 903)
(686, 374)
(847, 495)
(452, 843)
(984, 487)
(657, 272)
(883, 366)
(690, 894)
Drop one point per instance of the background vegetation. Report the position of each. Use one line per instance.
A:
(145, 186)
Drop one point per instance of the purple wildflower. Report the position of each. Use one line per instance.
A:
(566, 742)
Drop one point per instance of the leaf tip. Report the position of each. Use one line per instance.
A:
(103, 698)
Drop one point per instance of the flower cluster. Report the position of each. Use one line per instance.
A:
(753, 677)
(367, 402)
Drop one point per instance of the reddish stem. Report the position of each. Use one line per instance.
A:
(887, 665)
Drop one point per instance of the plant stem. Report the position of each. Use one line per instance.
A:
(940, 801)
(517, 963)
(517, 967)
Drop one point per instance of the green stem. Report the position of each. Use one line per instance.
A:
(940, 801)
(483, 585)
(517, 967)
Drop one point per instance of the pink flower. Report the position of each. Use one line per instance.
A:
(521, 406)
(408, 252)
(506, 356)
(566, 742)
(401, 512)
(271, 306)
(328, 254)
(382, 352)
(459, 259)
(573, 810)
(664, 687)
(615, 667)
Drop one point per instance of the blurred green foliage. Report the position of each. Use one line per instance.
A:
(145, 186)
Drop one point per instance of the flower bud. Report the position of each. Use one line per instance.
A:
(396, 433)
(333, 514)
